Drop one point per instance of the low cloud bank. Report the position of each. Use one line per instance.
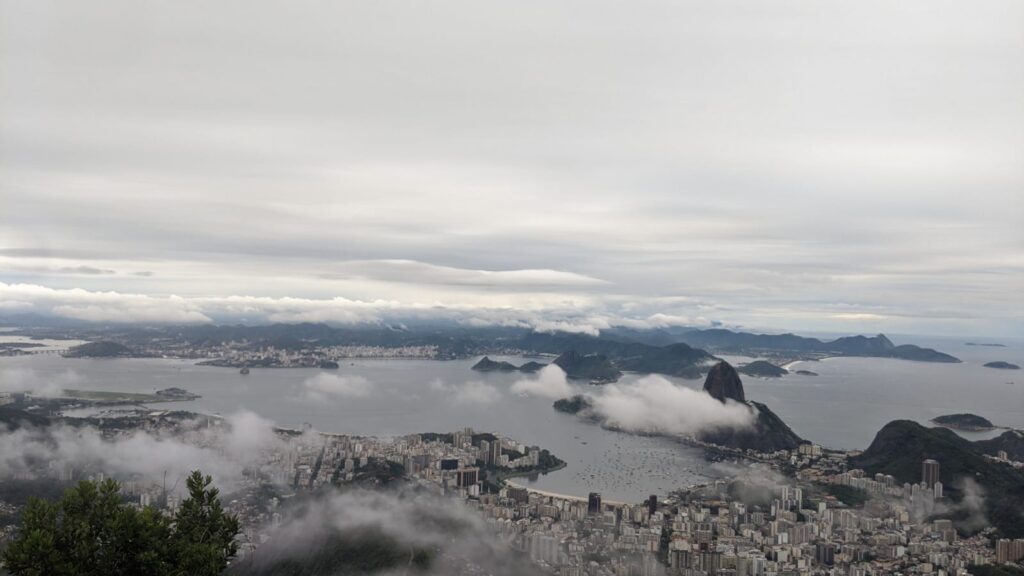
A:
(221, 451)
(550, 382)
(384, 533)
(654, 405)
(472, 392)
(27, 380)
(585, 315)
(327, 386)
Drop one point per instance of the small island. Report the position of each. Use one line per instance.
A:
(968, 422)
(573, 405)
(175, 394)
(487, 365)
(805, 373)
(102, 349)
(1000, 365)
(762, 369)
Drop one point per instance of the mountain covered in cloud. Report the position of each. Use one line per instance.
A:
(718, 414)
(723, 383)
(767, 432)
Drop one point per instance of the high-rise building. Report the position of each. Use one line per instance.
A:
(520, 495)
(594, 504)
(1009, 550)
(652, 503)
(467, 477)
(929, 472)
(825, 553)
(484, 455)
(494, 456)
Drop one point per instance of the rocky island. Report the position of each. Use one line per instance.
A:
(573, 405)
(762, 369)
(101, 349)
(970, 422)
(487, 365)
(1000, 365)
(174, 394)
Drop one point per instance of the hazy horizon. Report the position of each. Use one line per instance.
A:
(808, 167)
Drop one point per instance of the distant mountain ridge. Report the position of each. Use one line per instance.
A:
(593, 367)
(677, 359)
(880, 346)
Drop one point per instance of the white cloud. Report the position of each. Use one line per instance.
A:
(249, 433)
(550, 382)
(223, 450)
(653, 404)
(27, 380)
(105, 306)
(324, 386)
(472, 392)
(409, 519)
(425, 273)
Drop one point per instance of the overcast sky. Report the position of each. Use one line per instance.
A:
(847, 166)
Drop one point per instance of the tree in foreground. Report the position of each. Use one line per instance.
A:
(92, 532)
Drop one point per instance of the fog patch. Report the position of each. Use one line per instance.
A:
(654, 405)
(324, 386)
(404, 532)
(472, 392)
(29, 381)
(550, 382)
(222, 449)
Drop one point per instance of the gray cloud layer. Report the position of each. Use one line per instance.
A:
(806, 165)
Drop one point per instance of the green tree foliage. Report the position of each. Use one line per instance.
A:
(91, 531)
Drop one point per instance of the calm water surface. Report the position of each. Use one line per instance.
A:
(843, 407)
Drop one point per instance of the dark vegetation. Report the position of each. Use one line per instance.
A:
(1011, 442)
(573, 405)
(853, 497)
(995, 570)
(91, 531)
(102, 349)
(768, 434)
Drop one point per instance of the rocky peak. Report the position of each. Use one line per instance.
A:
(723, 382)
